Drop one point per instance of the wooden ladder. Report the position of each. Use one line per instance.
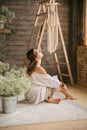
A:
(42, 6)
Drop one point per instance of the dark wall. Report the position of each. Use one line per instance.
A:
(76, 35)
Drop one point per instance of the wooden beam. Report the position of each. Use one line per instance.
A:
(85, 24)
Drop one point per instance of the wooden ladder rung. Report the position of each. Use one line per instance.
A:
(62, 63)
(41, 14)
(67, 75)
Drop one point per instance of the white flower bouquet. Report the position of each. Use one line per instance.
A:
(14, 82)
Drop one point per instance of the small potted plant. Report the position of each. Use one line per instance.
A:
(12, 84)
(6, 16)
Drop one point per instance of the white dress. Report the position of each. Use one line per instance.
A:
(42, 87)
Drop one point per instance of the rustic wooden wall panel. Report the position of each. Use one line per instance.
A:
(25, 11)
(82, 65)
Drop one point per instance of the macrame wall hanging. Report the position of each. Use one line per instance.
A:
(52, 31)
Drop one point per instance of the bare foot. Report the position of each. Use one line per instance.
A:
(71, 98)
(67, 93)
(55, 101)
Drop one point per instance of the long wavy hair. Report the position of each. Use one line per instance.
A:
(31, 56)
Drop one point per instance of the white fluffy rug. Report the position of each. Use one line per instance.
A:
(66, 110)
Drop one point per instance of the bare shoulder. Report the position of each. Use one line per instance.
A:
(40, 70)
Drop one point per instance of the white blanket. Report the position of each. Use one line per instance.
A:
(66, 110)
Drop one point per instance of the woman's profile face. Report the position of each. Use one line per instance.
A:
(39, 54)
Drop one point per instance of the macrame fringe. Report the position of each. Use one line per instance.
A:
(52, 36)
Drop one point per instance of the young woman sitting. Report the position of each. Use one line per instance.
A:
(43, 85)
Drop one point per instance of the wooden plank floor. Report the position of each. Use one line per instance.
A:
(81, 93)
